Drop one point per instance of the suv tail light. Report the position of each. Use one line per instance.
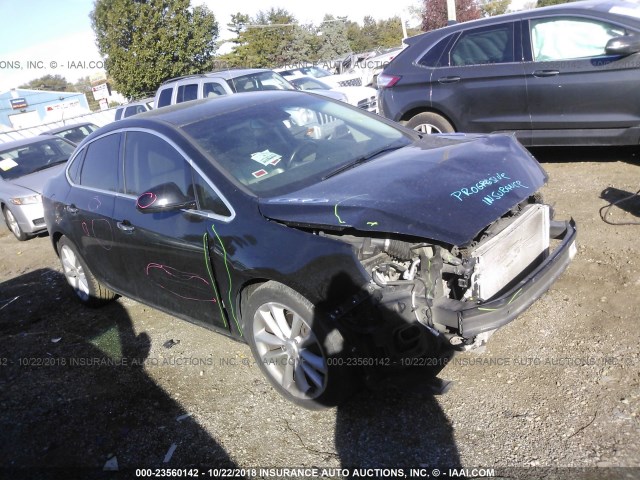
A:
(387, 81)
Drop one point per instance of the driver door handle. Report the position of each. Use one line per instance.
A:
(125, 226)
(545, 73)
(448, 79)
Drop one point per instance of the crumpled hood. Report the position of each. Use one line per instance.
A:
(35, 181)
(443, 188)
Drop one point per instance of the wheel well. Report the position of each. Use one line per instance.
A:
(415, 111)
(245, 292)
(55, 238)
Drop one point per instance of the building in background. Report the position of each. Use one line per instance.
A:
(23, 108)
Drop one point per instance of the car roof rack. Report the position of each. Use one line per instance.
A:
(193, 75)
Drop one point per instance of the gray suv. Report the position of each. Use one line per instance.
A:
(561, 75)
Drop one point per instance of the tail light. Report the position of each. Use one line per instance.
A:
(387, 81)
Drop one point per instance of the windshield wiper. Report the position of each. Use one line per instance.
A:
(48, 165)
(361, 160)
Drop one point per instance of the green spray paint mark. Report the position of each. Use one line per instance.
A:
(226, 265)
(335, 212)
(207, 262)
(335, 207)
(514, 296)
(372, 224)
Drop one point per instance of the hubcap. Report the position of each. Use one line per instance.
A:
(289, 350)
(74, 272)
(427, 128)
(13, 223)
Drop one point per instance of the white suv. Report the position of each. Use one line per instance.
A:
(224, 82)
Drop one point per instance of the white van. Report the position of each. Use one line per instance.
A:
(224, 82)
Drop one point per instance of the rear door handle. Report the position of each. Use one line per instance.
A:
(545, 73)
(448, 79)
(125, 226)
(72, 209)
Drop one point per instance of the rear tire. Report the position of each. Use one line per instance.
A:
(87, 289)
(429, 122)
(13, 225)
(296, 348)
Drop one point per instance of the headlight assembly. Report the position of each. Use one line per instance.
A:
(28, 200)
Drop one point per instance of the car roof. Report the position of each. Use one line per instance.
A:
(598, 6)
(185, 113)
(67, 127)
(226, 74)
(142, 101)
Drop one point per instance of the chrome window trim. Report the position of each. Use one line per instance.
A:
(191, 163)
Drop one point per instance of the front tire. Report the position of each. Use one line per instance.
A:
(87, 289)
(429, 122)
(296, 348)
(13, 225)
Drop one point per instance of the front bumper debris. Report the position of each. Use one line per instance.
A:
(472, 320)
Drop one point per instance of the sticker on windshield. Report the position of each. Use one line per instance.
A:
(260, 173)
(266, 158)
(7, 164)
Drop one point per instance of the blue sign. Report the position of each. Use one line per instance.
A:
(18, 103)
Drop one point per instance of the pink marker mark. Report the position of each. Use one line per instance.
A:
(94, 204)
(146, 200)
(187, 286)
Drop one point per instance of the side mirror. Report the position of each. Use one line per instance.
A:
(625, 45)
(164, 198)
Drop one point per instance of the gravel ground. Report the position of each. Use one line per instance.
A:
(83, 389)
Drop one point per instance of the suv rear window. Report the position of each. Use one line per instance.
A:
(165, 97)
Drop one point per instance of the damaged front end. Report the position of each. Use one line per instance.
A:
(452, 233)
(424, 294)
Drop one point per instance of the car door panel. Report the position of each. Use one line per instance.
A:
(480, 63)
(165, 255)
(573, 86)
(89, 204)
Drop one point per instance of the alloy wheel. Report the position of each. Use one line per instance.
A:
(13, 223)
(290, 351)
(74, 272)
(427, 128)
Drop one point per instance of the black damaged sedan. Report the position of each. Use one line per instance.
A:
(337, 244)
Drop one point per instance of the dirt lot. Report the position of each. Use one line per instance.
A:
(82, 389)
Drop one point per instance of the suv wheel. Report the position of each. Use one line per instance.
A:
(429, 122)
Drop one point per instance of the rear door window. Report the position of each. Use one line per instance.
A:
(100, 166)
(482, 46)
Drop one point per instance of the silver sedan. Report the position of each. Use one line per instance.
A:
(25, 166)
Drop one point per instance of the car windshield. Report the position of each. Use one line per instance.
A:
(308, 83)
(293, 142)
(33, 157)
(315, 72)
(259, 81)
